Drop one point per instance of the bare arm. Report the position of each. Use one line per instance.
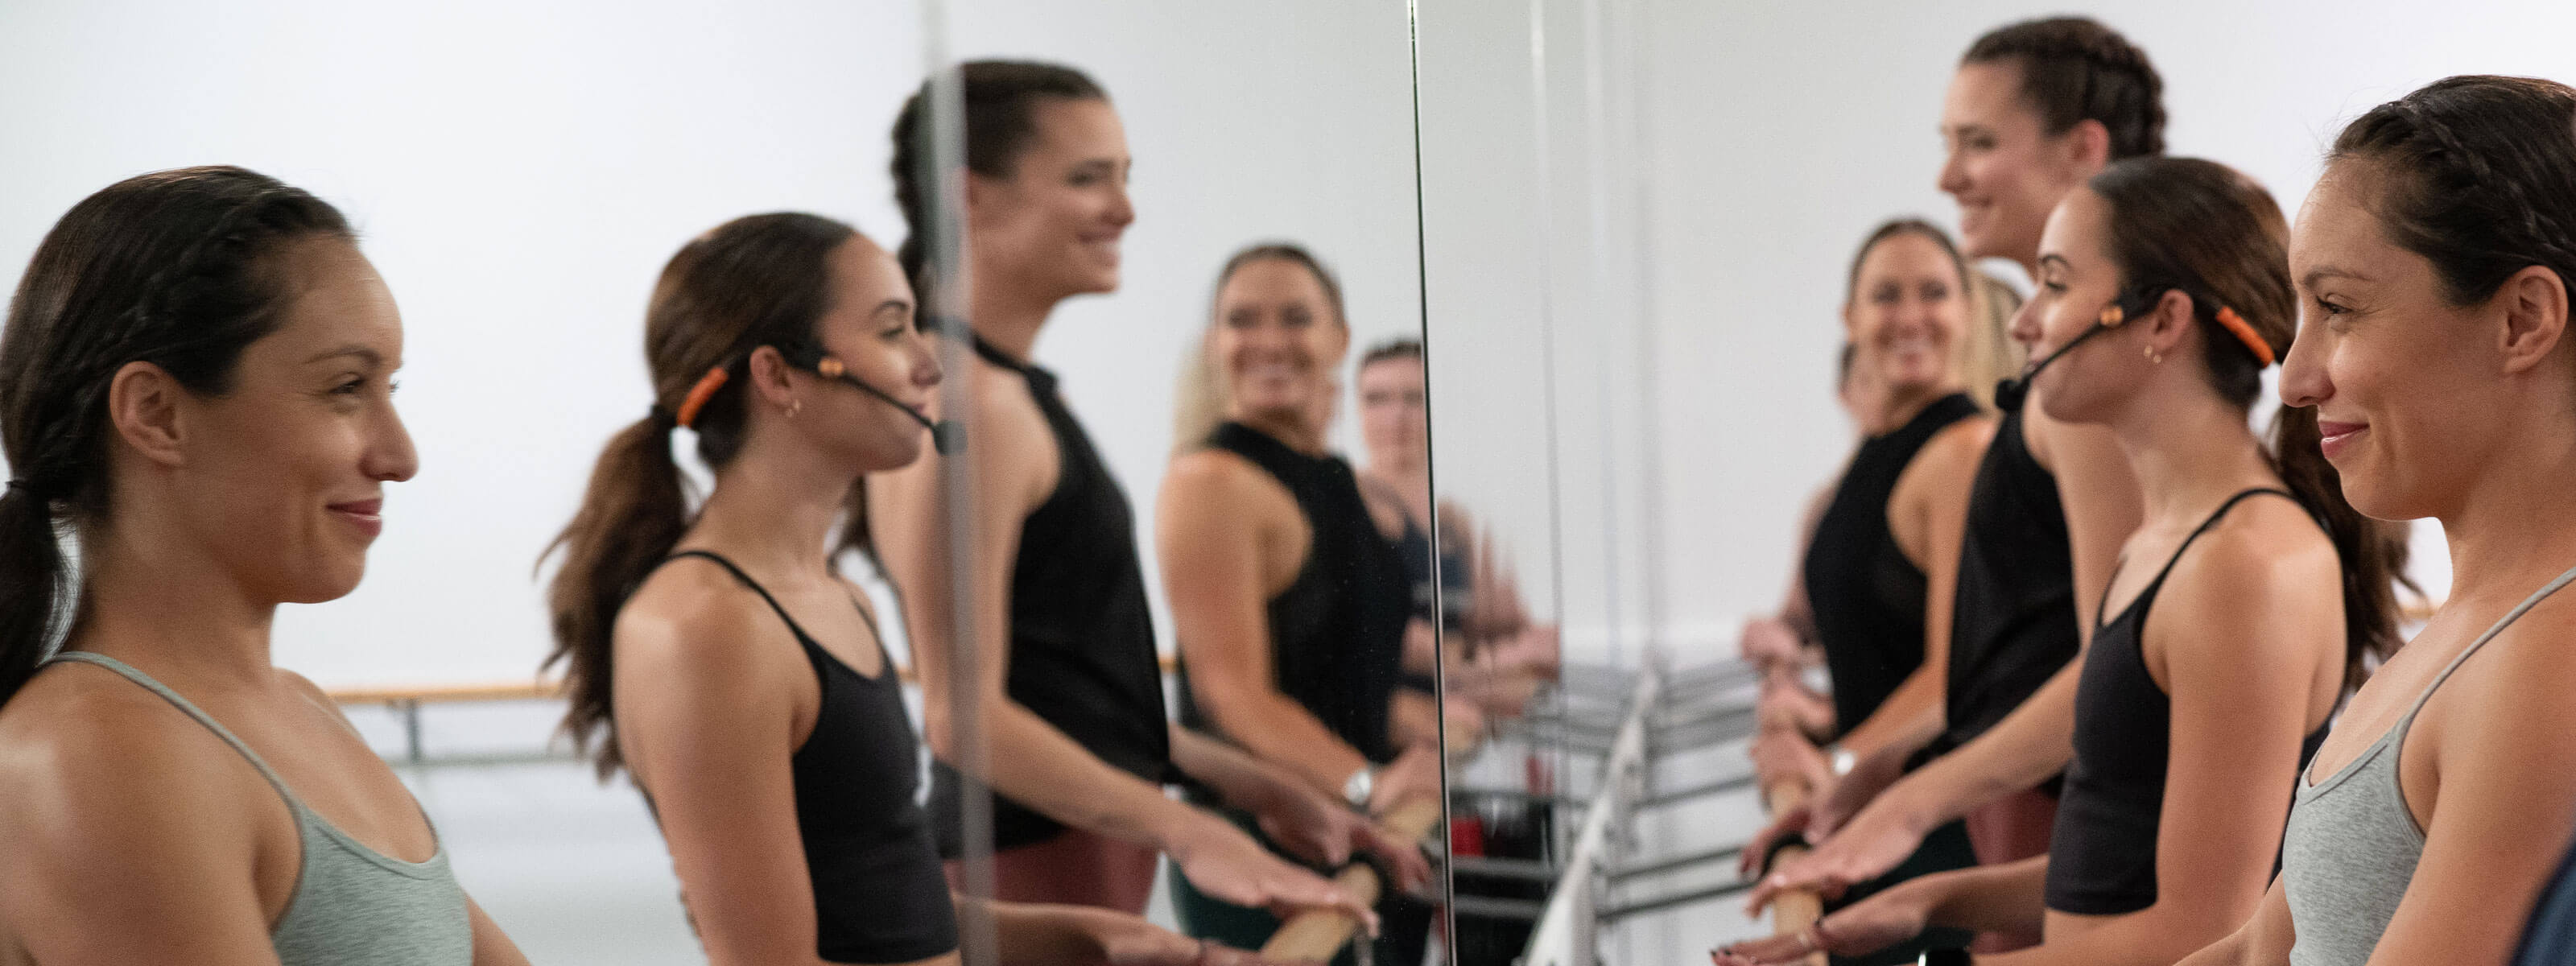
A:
(1210, 543)
(121, 845)
(2035, 741)
(1031, 761)
(492, 947)
(2501, 743)
(2243, 631)
(2263, 941)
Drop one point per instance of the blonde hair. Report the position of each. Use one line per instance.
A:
(1987, 353)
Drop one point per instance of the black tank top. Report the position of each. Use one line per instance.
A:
(1440, 592)
(1451, 601)
(2102, 853)
(1337, 632)
(1866, 597)
(879, 895)
(1082, 641)
(2014, 625)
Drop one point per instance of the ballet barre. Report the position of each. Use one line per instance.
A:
(407, 701)
(1316, 935)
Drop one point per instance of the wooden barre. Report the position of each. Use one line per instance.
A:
(520, 691)
(1792, 913)
(1316, 935)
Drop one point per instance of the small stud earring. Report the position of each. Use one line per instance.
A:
(795, 406)
(2155, 357)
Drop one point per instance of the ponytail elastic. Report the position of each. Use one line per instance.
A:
(699, 394)
(2235, 325)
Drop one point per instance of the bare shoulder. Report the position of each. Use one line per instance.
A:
(2264, 568)
(692, 617)
(1208, 472)
(102, 774)
(2528, 669)
(1958, 447)
(1946, 467)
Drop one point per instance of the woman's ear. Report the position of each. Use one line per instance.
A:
(143, 406)
(772, 379)
(2168, 321)
(2532, 309)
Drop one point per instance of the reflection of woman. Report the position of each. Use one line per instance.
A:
(2231, 632)
(743, 683)
(2033, 109)
(1072, 697)
(2432, 261)
(1289, 602)
(1882, 562)
(1496, 656)
(196, 378)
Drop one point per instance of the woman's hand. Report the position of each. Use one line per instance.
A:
(1786, 704)
(1876, 923)
(1413, 774)
(1229, 866)
(1757, 850)
(1874, 842)
(1855, 789)
(1770, 642)
(1318, 829)
(1787, 756)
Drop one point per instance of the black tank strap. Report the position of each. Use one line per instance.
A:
(2214, 516)
(798, 629)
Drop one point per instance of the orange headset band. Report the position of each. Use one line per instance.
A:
(2235, 325)
(699, 394)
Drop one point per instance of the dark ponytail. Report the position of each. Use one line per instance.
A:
(754, 281)
(171, 268)
(1001, 98)
(2201, 228)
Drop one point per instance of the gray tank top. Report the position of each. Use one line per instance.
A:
(2351, 845)
(351, 904)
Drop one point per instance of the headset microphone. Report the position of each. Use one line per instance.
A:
(946, 436)
(2010, 393)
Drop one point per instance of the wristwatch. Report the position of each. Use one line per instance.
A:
(1947, 957)
(1356, 788)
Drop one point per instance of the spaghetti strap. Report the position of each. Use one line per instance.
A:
(2507, 621)
(799, 629)
(128, 672)
(2102, 611)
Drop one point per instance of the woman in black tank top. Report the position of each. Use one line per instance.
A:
(1290, 602)
(1070, 700)
(718, 656)
(1878, 565)
(2230, 630)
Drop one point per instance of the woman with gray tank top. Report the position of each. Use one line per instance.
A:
(195, 385)
(2432, 261)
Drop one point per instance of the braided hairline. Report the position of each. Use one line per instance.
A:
(2408, 128)
(58, 464)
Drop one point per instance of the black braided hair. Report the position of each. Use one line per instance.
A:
(2480, 177)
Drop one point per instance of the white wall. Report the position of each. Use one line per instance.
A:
(1784, 131)
(520, 172)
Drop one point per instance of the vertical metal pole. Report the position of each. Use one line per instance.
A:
(951, 291)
